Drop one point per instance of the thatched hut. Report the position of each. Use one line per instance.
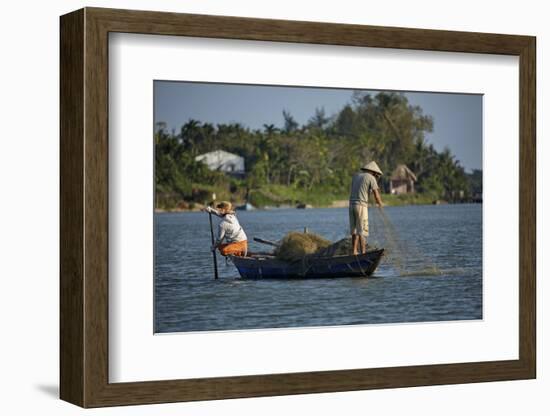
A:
(402, 180)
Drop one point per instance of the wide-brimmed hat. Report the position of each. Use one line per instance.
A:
(373, 167)
(225, 205)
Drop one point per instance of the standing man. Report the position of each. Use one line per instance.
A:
(362, 184)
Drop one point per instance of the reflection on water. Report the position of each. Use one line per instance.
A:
(438, 278)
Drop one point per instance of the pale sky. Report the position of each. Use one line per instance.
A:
(457, 117)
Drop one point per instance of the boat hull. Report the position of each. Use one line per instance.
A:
(268, 267)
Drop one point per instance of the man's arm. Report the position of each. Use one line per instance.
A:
(212, 211)
(377, 197)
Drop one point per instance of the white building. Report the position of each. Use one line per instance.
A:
(223, 161)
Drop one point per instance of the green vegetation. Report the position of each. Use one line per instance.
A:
(273, 195)
(312, 163)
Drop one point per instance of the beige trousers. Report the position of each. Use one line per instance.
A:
(359, 219)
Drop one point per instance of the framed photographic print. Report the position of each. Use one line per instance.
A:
(255, 207)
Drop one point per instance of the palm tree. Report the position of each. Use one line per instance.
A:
(189, 135)
(319, 119)
(291, 125)
(270, 129)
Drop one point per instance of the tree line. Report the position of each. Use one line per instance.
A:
(317, 157)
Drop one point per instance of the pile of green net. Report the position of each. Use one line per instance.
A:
(342, 247)
(295, 246)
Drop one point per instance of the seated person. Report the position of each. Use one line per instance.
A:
(229, 230)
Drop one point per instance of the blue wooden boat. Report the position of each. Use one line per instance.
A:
(267, 266)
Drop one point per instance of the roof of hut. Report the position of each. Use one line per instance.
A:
(402, 172)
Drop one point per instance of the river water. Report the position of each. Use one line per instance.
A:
(434, 273)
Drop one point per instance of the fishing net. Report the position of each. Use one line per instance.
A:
(342, 247)
(295, 245)
(403, 255)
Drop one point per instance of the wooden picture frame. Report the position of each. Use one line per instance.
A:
(84, 207)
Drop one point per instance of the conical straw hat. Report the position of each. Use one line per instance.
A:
(373, 167)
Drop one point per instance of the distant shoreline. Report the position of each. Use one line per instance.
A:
(389, 201)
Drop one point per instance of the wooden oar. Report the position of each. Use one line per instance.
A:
(214, 250)
(269, 243)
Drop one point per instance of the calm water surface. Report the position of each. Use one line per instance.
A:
(187, 298)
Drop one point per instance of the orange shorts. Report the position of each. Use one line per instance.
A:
(239, 248)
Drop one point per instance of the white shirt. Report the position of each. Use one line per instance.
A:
(229, 227)
(362, 184)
